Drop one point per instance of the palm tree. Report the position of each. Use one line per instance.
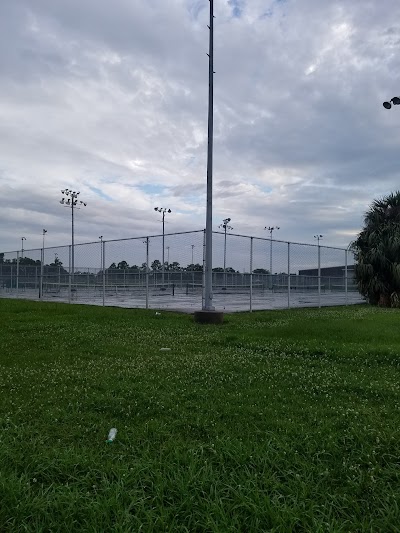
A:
(377, 252)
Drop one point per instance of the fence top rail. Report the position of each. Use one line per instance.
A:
(177, 233)
(284, 242)
(152, 236)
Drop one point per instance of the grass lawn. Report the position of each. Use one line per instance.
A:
(283, 421)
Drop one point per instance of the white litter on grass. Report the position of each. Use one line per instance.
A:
(165, 349)
(112, 434)
(158, 314)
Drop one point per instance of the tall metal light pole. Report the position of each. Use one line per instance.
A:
(101, 252)
(208, 295)
(271, 229)
(225, 228)
(192, 253)
(208, 314)
(318, 237)
(163, 210)
(44, 231)
(70, 199)
(22, 248)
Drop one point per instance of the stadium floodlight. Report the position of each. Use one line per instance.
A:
(71, 200)
(225, 227)
(395, 101)
(271, 229)
(318, 237)
(163, 210)
(22, 247)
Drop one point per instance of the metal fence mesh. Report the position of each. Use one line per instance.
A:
(168, 272)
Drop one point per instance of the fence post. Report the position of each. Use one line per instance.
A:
(288, 279)
(203, 279)
(251, 274)
(103, 267)
(319, 275)
(147, 272)
(17, 281)
(70, 275)
(345, 275)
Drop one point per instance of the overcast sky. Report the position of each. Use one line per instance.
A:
(110, 98)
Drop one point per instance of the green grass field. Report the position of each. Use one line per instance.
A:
(282, 421)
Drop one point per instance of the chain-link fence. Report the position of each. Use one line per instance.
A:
(248, 273)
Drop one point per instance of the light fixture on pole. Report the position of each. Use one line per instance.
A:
(70, 199)
(270, 229)
(318, 237)
(22, 247)
(163, 210)
(395, 101)
(225, 227)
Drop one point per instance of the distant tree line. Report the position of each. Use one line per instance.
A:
(156, 266)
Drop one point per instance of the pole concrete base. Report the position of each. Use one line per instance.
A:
(208, 317)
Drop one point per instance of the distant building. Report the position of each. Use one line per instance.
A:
(332, 272)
